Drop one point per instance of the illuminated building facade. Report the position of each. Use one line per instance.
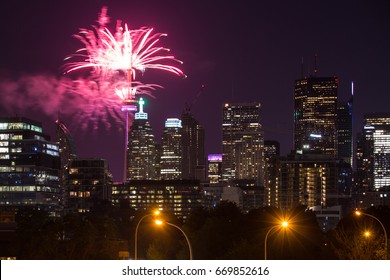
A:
(178, 197)
(193, 139)
(141, 153)
(315, 115)
(89, 184)
(272, 167)
(242, 142)
(308, 179)
(29, 167)
(375, 198)
(374, 152)
(171, 150)
(364, 160)
(214, 168)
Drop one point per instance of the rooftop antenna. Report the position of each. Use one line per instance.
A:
(315, 65)
(302, 68)
(352, 88)
(353, 123)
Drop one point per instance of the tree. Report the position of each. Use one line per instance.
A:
(213, 232)
(349, 242)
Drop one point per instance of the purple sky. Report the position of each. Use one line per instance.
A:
(242, 51)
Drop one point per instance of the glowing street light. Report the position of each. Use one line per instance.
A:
(160, 222)
(155, 213)
(367, 234)
(283, 224)
(359, 213)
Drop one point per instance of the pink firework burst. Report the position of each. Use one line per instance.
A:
(127, 51)
(112, 61)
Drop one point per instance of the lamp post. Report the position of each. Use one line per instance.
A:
(155, 213)
(283, 224)
(359, 213)
(160, 222)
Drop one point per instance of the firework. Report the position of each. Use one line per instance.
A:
(113, 61)
(117, 58)
(127, 51)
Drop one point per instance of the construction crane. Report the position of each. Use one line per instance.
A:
(188, 106)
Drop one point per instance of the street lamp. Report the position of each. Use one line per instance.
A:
(155, 213)
(367, 234)
(359, 213)
(283, 224)
(160, 222)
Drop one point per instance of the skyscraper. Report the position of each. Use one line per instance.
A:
(67, 150)
(345, 149)
(272, 166)
(171, 150)
(242, 142)
(315, 115)
(29, 166)
(364, 160)
(374, 146)
(193, 139)
(141, 153)
(344, 131)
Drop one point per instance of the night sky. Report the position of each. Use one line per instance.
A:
(241, 51)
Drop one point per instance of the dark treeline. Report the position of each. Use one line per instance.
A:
(220, 233)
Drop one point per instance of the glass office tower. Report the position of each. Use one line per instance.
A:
(242, 142)
(315, 115)
(29, 167)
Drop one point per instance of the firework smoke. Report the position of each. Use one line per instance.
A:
(85, 101)
(41, 92)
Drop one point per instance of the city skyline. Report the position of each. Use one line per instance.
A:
(239, 52)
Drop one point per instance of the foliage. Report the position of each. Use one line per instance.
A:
(223, 232)
(75, 236)
(349, 242)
